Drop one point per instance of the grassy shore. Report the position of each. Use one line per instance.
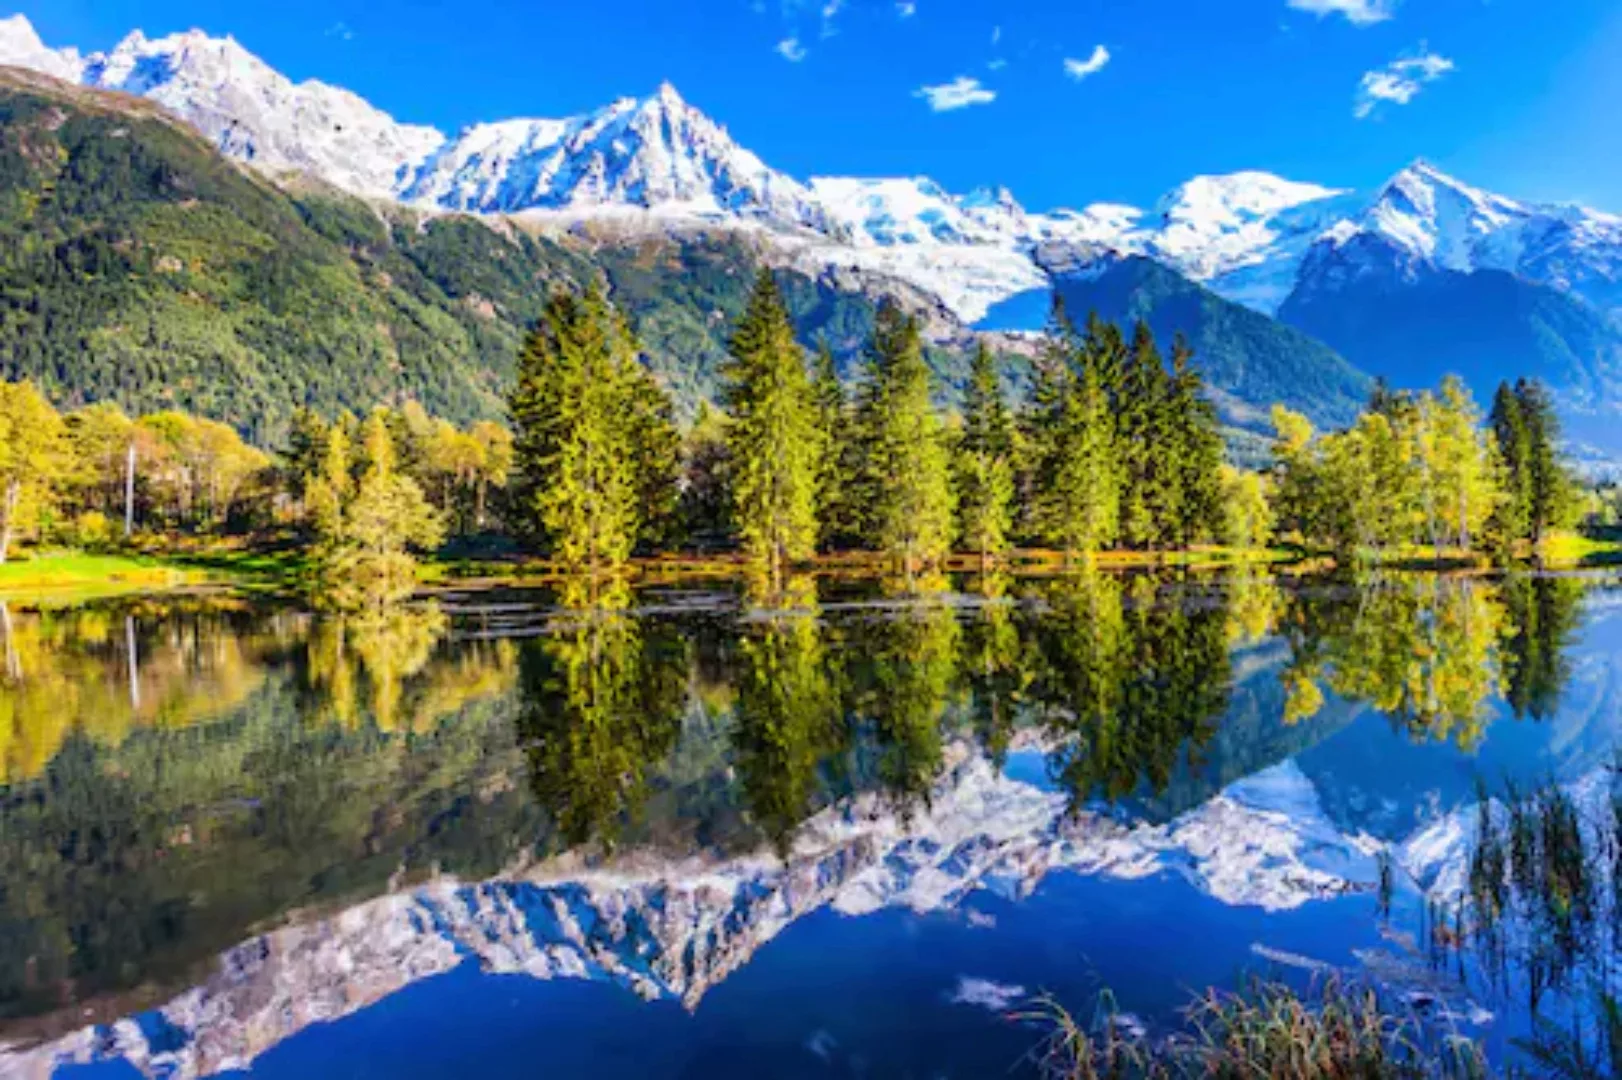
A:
(73, 575)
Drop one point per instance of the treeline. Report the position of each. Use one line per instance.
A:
(97, 479)
(1423, 469)
(1114, 447)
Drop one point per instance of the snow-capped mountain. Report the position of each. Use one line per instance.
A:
(659, 153)
(1250, 236)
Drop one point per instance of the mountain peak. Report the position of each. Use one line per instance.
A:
(20, 46)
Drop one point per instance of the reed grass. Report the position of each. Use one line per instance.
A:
(1337, 1031)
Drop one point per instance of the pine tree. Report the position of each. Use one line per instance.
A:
(1551, 488)
(1148, 500)
(1079, 491)
(1512, 521)
(656, 449)
(906, 467)
(577, 494)
(774, 440)
(1194, 438)
(838, 454)
(985, 462)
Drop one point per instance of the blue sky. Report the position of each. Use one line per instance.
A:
(1065, 101)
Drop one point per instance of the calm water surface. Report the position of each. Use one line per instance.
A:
(670, 834)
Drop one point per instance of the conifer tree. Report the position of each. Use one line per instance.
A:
(774, 441)
(1552, 491)
(1194, 440)
(1511, 520)
(906, 467)
(838, 455)
(577, 491)
(1148, 499)
(1079, 490)
(985, 462)
(656, 449)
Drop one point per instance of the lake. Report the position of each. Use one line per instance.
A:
(666, 832)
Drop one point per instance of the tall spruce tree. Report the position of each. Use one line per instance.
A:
(1148, 498)
(839, 453)
(1512, 520)
(774, 440)
(1194, 441)
(656, 453)
(1552, 490)
(1078, 485)
(906, 466)
(985, 462)
(577, 480)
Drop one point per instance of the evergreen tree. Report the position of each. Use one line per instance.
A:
(1512, 520)
(839, 453)
(985, 462)
(1079, 492)
(577, 494)
(906, 467)
(1551, 488)
(656, 451)
(774, 441)
(1194, 443)
(1149, 500)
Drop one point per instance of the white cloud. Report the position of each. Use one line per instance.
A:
(1357, 12)
(1399, 82)
(341, 31)
(996, 65)
(986, 993)
(960, 93)
(830, 12)
(996, 34)
(791, 50)
(906, 8)
(1080, 69)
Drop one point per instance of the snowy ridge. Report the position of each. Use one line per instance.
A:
(676, 928)
(657, 162)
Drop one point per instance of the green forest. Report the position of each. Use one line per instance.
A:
(1116, 448)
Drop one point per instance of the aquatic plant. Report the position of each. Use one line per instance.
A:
(1268, 1029)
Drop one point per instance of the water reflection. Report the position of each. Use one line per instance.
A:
(176, 775)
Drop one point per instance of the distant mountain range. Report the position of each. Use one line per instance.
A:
(1423, 275)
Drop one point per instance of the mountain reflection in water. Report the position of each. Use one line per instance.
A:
(648, 787)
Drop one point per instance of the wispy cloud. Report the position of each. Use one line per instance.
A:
(830, 12)
(906, 8)
(960, 93)
(1399, 82)
(996, 35)
(341, 31)
(1081, 69)
(1357, 12)
(996, 65)
(791, 50)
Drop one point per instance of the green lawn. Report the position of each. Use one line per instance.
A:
(75, 574)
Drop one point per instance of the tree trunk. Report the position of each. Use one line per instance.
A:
(14, 667)
(134, 662)
(129, 491)
(13, 494)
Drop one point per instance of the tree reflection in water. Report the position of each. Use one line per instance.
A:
(601, 704)
(202, 766)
